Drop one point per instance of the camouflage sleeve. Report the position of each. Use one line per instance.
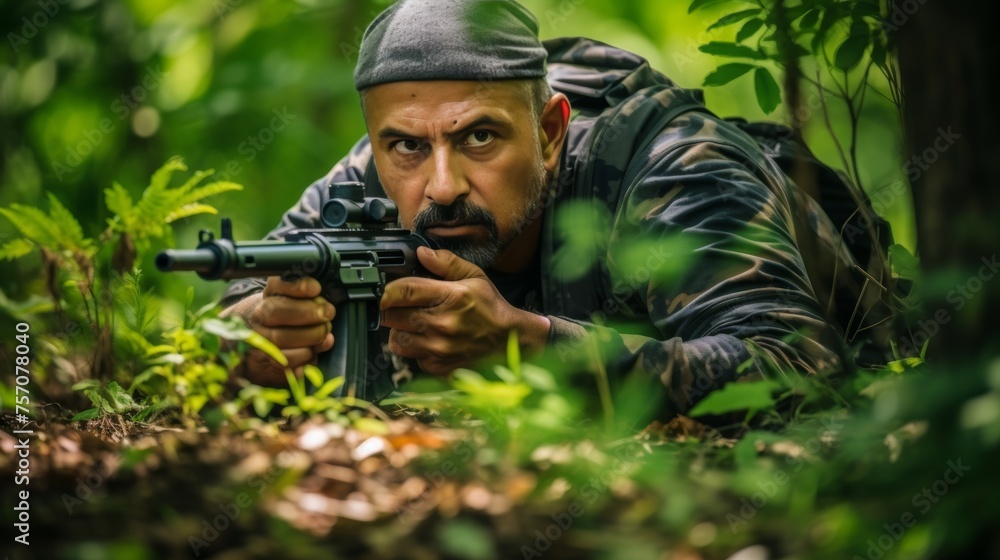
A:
(740, 304)
(305, 213)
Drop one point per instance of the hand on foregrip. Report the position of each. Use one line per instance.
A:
(293, 316)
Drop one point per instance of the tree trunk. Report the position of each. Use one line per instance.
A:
(947, 59)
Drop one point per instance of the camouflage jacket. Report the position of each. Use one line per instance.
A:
(696, 274)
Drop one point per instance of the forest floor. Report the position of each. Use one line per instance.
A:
(114, 488)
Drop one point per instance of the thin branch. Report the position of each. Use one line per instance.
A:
(829, 125)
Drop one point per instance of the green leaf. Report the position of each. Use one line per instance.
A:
(119, 399)
(753, 395)
(768, 92)
(467, 540)
(88, 414)
(505, 374)
(749, 29)
(585, 229)
(730, 19)
(193, 181)
(795, 12)
(853, 48)
(489, 393)
(296, 386)
(698, 4)
(811, 18)
(727, 73)
(330, 386)
(234, 328)
(830, 16)
(539, 378)
(68, 223)
(314, 375)
(903, 263)
(161, 177)
(514, 353)
(372, 426)
(15, 249)
(901, 366)
(879, 54)
(33, 224)
(189, 210)
(731, 50)
(422, 399)
(266, 346)
(210, 189)
(118, 200)
(870, 9)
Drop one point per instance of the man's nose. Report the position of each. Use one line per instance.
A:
(447, 183)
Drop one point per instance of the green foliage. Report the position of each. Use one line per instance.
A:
(111, 399)
(768, 91)
(120, 316)
(160, 204)
(774, 37)
(751, 396)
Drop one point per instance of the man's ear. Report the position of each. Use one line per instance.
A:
(552, 129)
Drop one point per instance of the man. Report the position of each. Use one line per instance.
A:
(480, 155)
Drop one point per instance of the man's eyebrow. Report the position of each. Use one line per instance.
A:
(485, 120)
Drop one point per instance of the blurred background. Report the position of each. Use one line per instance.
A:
(93, 92)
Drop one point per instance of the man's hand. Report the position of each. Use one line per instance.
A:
(456, 321)
(293, 316)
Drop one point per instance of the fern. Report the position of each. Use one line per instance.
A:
(136, 308)
(34, 225)
(189, 210)
(210, 189)
(160, 205)
(119, 202)
(15, 249)
(69, 227)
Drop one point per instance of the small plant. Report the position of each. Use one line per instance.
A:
(776, 34)
(71, 258)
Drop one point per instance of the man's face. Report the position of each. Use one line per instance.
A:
(462, 161)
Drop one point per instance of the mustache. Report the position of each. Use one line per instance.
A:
(462, 212)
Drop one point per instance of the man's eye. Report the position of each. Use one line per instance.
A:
(406, 147)
(479, 138)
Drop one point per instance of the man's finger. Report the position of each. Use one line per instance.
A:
(447, 265)
(296, 337)
(282, 311)
(417, 345)
(414, 291)
(410, 319)
(307, 287)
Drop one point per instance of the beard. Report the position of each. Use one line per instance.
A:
(482, 251)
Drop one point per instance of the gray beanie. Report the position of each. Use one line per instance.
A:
(450, 40)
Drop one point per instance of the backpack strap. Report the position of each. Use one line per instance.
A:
(628, 104)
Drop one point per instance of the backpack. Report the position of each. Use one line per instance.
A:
(610, 85)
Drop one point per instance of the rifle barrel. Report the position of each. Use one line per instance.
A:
(222, 260)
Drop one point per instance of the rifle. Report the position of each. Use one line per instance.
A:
(350, 256)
